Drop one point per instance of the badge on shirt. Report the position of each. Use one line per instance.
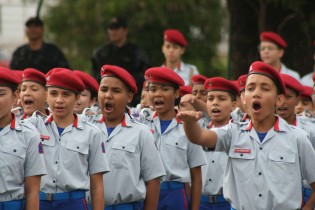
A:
(43, 137)
(103, 147)
(242, 151)
(40, 148)
(152, 131)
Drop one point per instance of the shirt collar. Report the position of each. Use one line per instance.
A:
(178, 67)
(77, 123)
(278, 126)
(124, 123)
(155, 116)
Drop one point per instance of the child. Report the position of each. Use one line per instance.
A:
(267, 158)
(74, 150)
(21, 152)
(221, 101)
(198, 88)
(173, 48)
(32, 95)
(136, 166)
(182, 160)
(305, 102)
(239, 114)
(89, 95)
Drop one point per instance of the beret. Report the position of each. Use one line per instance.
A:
(273, 37)
(65, 79)
(7, 78)
(175, 36)
(307, 92)
(221, 84)
(264, 69)
(242, 82)
(163, 75)
(198, 79)
(292, 83)
(89, 81)
(34, 75)
(122, 74)
(185, 90)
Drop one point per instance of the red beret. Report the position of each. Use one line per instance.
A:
(292, 83)
(273, 37)
(185, 90)
(122, 74)
(65, 79)
(198, 79)
(242, 82)
(163, 75)
(307, 92)
(175, 36)
(264, 69)
(90, 82)
(221, 84)
(34, 75)
(7, 78)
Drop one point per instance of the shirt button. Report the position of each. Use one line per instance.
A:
(260, 195)
(54, 181)
(259, 173)
(241, 155)
(59, 139)
(56, 162)
(210, 180)
(123, 147)
(281, 158)
(78, 147)
(176, 143)
(213, 161)
(260, 148)
(14, 150)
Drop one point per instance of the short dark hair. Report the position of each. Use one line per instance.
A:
(117, 22)
(34, 21)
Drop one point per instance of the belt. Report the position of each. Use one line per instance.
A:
(307, 191)
(212, 199)
(125, 206)
(12, 205)
(171, 185)
(61, 196)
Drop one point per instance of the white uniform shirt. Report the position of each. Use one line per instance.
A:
(21, 155)
(72, 156)
(307, 79)
(213, 171)
(186, 71)
(265, 175)
(286, 70)
(178, 154)
(133, 159)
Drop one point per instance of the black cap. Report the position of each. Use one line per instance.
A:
(117, 22)
(34, 21)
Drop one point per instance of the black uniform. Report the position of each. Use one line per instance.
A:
(130, 57)
(44, 59)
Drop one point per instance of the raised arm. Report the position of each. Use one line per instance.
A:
(194, 132)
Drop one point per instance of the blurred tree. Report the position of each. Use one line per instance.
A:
(79, 27)
(293, 19)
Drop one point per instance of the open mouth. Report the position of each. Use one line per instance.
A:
(256, 106)
(158, 103)
(282, 109)
(108, 107)
(28, 102)
(216, 111)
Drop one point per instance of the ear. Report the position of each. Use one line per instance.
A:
(130, 96)
(281, 52)
(280, 100)
(177, 93)
(234, 105)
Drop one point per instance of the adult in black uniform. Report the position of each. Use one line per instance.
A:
(121, 53)
(36, 53)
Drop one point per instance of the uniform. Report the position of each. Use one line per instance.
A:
(177, 153)
(21, 154)
(307, 79)
(265, 166)
(71, 155)
(133, 160)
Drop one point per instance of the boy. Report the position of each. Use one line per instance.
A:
(267, 158)
(221, 101)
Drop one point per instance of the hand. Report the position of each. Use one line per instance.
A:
(189, 116)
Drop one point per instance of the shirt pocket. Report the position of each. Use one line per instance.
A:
(12, 159)
(243, 164)
(283, 166)
(75, 155)
(123, 155)
(176, 152)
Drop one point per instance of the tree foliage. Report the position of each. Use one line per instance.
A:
(80, 26)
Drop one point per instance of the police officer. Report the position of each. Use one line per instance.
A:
(21, 153)
(37, 53)
(121, 53)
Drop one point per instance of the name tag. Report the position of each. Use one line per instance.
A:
(242, 151)
(44, 137)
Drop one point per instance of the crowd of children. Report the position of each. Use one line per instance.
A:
(69, 142)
